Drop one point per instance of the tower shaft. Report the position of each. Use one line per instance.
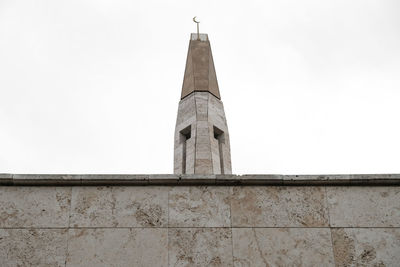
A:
(201, 132)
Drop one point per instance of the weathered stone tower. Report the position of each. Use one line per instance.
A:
(201, 132)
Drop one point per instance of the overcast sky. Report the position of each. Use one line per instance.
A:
(309, 87)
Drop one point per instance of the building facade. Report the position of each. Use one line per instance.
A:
(201, 215)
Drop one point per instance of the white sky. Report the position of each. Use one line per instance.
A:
(93, 86)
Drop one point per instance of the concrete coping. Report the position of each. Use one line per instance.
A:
(195, 179)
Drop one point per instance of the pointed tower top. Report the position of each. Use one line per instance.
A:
(200, 73)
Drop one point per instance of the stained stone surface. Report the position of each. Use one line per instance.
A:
(33, 247)
(366, 246)
(118, 247)
(279, 207)
(200, 247)
(119, 206)
(282, 247)
(364, 206)
(34, 206)
(199, 206)
(192, 225)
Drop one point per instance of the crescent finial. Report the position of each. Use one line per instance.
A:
(197, 23)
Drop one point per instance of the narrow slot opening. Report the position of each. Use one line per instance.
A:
(219, 135)
(185, 134)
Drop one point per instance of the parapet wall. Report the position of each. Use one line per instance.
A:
(167, 220)
(196, 179)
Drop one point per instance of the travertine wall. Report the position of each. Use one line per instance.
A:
(199, 225)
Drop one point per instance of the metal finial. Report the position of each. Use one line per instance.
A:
(197, 22)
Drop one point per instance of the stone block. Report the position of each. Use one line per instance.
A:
(118, 247)
(201, 116)
(33, 247)
(366, 246)
(186, 110)
(227, 158)
(201, 106)
(364, 206)
(200, 247)
(190, 163)
(203, 166)
(216, 113)
(203, 147)
(214, 145)
(178, 157)
(190, 145)
(279, 206)
(199, 206)
(119, 206)
(203, 131)
(44, 207)
(216, 164)
(203, 128)
(203, 144)
(282, 247)
(204, 140)
(202, 154)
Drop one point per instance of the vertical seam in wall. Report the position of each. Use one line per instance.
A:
(68, 227)
(169, 189)
(327, 207)
(329, 224)
(208, 67)
(184, 150)
(333, 248)
(195, 137)
(230, 218)
(210, 135)
(191, 55)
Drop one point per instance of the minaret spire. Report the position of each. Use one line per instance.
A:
(201, 133)
(200, 73)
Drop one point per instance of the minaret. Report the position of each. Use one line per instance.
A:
(201, 132)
